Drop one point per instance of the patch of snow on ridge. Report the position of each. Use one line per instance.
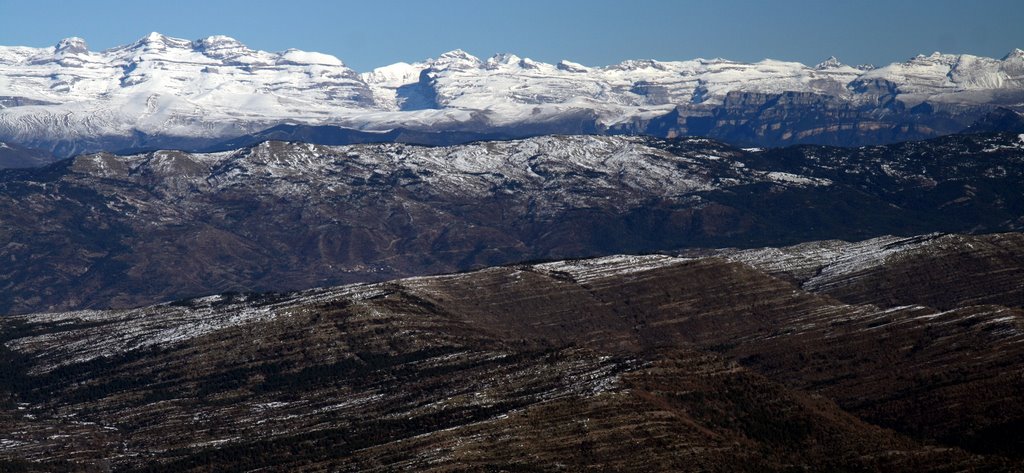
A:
(858, 257)
(587, 270)
(92, 334)
(790, 178)
(295, 56)
(580, 170)
(822, 263)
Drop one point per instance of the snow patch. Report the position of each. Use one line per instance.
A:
(295, 56)
(790, 178)
(600, 268)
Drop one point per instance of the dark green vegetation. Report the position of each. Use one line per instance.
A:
(886, 355)
(121, 231)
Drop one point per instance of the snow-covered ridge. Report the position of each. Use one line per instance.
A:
(214, 86)
(592, 167)
(217, 87)
(588, 270)
(826, 265)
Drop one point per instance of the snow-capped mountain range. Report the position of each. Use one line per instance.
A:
(167, 91)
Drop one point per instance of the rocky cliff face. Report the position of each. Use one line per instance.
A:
(779, 119)
(734, 361)
(162, 92)
(118, 231)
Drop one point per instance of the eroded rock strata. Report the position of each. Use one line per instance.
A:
(734, 361)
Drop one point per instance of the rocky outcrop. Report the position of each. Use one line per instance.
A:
(786, 118)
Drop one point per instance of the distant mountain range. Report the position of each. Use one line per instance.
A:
(162, 92)
(103, 230)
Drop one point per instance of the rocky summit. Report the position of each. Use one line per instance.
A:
(164, 92)
(891, 354)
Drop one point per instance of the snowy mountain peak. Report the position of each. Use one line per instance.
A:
(456, 59)
(502, 59)
(157, 41)
(527, 63)
(216, 88)
(570, 66)
(1017, 53)
(73, 44)
(152, 37)
(831, 63)
(458, 54)
(220, 46)
(394, 75)
(637, 64)
(218, 40)
(505, 60)
(302, 58)
(924, 57)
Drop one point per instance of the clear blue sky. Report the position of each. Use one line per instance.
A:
(371, 33)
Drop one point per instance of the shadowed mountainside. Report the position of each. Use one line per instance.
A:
(14, 156)
(120, 231)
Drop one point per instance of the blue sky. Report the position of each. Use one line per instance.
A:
(373, 33)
